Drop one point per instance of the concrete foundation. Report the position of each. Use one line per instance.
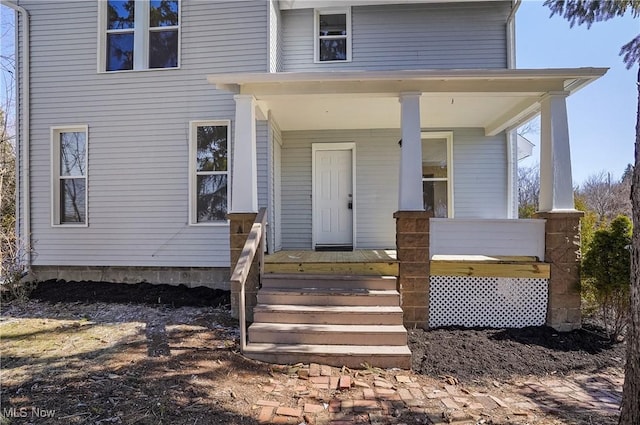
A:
(211, 277)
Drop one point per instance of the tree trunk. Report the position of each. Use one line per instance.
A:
(630, 411)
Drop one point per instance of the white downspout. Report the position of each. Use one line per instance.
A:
(23, 136)
(511, 35)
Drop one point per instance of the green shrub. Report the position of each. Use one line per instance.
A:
(607, 267)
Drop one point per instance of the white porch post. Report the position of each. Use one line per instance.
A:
(244, 184)
(556, 183)
(410, 191)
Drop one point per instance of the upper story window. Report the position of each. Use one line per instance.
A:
(209, 179)
(333, 35)
(139, 34)
(437, 188)
(69, 175)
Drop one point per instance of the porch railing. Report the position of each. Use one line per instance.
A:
(524, 237)
(255, 244)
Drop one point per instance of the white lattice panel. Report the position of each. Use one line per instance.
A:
(495, 302)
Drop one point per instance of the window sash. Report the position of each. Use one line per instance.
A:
(69, 204)
(319, 38)
(441, 179)
(195, 199)
(142, 33)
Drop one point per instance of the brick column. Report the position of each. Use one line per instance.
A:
(412, 242)
(239, 229)
(562, 251)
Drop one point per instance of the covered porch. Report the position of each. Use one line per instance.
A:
(390, 114)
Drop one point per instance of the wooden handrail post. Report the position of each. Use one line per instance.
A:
(254, 244)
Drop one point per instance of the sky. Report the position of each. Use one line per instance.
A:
(602, 116)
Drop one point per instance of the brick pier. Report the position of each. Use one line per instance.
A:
(412, 243)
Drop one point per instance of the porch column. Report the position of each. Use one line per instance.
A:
(410, 190)
(244, 184)
(412, 221)
(244, 198)
(562, 228)
(556, 184)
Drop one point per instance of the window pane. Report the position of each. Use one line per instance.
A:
(72, 202)
(212, 148)
(119, 51)
(72, 153)
(435, 197)
(163, 49)
(163, 13)
(212, 198)
(120, 14)
(333, 24)
(434, 158)
(333, 49)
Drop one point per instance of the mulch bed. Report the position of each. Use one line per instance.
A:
(140, 293)
(501, 354)
(467, 354)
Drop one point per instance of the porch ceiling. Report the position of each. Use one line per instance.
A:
(492, 99)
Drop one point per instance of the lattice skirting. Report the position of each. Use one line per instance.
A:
(495, 302)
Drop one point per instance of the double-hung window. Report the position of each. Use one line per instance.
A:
(209, 180)
(437, 188)
(137, 35)
(332, 35)
(69, 147)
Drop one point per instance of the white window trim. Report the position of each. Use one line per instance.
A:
(193, 199)
(55, 174)
(141, 38)
(448, 135)
(316, 32)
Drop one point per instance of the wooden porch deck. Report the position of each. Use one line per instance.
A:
(378, 262)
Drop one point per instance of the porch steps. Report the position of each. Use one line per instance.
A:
(279, 280)
(327, 315)
(353, 263)
(328, 296)
(353, 356)
(288, 333)
(331, 319)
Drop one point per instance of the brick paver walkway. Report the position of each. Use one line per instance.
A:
(321, 395)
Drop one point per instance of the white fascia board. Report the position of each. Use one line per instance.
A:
(314, 4)
(575, 77)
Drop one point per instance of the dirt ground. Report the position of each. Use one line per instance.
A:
(169, 355)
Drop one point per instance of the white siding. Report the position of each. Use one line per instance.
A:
(138, 132)
(276, 187)
(275, 37)
(262, 153)
(375, 197)
(479, 174)
(409, 36)
(479, 181)
(487, 237)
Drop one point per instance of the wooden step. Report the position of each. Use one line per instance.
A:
(319, 296)
(353, 356)
(278, 280)
(293, 333)
(389, 268)
(337, 315)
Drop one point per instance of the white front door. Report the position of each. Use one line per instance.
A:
(333, 198)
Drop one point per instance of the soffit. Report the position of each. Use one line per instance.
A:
(492, 99)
